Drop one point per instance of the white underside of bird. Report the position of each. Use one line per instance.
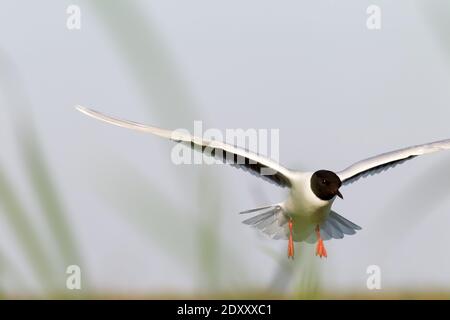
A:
(303, 216)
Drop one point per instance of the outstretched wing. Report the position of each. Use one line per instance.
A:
(388, 160)
(248, 161)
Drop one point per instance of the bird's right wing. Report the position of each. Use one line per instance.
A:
(388, 160)
(263, 167)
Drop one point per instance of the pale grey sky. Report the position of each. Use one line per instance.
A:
(337, 91)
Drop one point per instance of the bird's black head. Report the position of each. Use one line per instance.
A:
(325, 185)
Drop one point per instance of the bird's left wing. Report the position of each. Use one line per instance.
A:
(388, 160)
(263, 167)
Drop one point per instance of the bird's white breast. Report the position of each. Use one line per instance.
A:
(303, 202)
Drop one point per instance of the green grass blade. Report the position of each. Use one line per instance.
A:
(160, 83)
(39, 175)
(127, 192)
(143, 49)
(29, 239)
(48, 197)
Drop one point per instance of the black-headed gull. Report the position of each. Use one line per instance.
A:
(306, 214)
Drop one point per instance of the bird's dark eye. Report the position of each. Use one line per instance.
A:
(324, 181)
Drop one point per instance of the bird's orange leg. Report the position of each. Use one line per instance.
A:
(320, 248)
(291, 242)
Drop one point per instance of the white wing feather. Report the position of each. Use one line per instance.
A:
(388, 160)
(252, 162)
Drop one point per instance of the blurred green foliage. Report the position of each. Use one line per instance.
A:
(50, 273)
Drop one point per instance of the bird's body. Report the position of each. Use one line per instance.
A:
(302, 203)
(304, 208)
(306, 215)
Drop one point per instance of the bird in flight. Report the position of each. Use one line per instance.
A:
(306, 214)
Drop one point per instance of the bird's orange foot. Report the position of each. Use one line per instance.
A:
(320, 248)
(291, 242)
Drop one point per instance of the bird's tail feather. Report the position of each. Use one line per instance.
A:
(272, 221)
(336, 226)
(256, 209)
